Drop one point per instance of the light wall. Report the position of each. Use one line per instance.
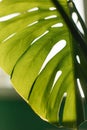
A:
(85, 10)
(80, 7)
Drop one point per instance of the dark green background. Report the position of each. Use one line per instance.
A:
(15, 114)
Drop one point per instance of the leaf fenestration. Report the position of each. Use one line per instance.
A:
(45, 60)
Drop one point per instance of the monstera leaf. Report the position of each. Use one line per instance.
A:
(46, 62)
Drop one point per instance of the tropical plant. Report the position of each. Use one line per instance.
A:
(44, 52)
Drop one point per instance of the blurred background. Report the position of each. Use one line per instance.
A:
(15, 114)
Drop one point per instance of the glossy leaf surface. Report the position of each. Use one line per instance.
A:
(44, 61)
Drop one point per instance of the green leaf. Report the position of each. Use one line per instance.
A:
(44, 59)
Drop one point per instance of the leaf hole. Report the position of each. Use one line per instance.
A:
(55, 50)
(33, 9)
(36, 39)
(80, 88)
(79, 26)
(9, 37)
(50, 17)
(62, 105)
(33, 23)
(8, 17)
(52, 8)
(78, 59)
(74, 17)
(57, 25)
(57, 76)
(76, 21)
